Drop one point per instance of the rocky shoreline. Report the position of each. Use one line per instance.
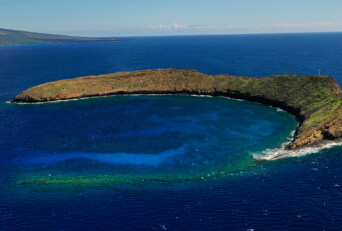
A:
(316, 101)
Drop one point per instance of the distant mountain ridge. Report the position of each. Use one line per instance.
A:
(12, 37)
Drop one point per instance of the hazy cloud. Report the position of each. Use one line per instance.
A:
(169, 27)
(199, 29)
(320, 25)
(309, 25)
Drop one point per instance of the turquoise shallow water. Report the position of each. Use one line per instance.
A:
(163, 162)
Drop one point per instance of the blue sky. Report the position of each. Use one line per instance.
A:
(165, 17)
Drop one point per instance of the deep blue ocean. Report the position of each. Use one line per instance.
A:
(163, 162)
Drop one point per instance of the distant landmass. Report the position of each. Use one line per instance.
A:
(12, 37)
(316, 101)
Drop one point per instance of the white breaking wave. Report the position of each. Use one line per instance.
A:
(280, 110)
(202, 96)
(282, 152)
(99, 96)
(56, 101)
(227, 97)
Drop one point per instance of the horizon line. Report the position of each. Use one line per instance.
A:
(181, 35)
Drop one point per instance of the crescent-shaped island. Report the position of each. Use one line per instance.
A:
(316, 101)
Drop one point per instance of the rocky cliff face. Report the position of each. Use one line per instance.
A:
(315, 100)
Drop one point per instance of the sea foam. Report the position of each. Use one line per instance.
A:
(282, 152)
